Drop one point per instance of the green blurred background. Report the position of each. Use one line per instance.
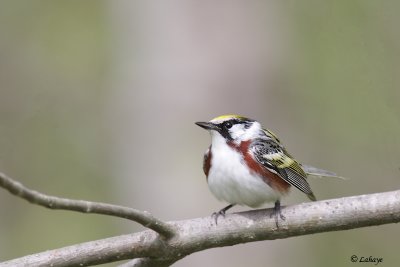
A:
(98, 100)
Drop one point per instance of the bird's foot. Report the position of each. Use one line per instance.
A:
(277, 212)
(215, 215)
(222, 212)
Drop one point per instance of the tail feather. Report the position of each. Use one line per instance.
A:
(320, 173)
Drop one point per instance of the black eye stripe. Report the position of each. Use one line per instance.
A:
(230, 123)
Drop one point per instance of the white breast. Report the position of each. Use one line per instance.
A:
(230, 180)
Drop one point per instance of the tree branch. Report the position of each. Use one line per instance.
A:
(52, 202)
(199, 234)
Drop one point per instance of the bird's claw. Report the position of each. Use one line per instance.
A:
(277, 212)
(215, 215)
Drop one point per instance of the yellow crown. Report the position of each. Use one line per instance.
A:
(227, 117)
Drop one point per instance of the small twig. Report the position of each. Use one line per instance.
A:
(52, 202)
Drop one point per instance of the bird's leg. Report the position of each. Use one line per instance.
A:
(277, 212)
(215, 215)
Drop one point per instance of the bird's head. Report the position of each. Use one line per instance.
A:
(232, 128)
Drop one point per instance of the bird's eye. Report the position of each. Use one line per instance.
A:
(228, 125)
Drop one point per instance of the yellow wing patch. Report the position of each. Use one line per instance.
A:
(280, 160)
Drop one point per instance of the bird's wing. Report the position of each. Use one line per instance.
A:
(273, 156)
(271, 135)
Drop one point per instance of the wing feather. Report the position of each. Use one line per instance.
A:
(272, 155)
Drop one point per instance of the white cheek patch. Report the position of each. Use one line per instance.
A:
(243, 134)
(237, 131)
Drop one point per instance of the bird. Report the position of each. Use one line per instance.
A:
(247, 165)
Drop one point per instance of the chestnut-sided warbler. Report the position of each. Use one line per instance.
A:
(247, 165)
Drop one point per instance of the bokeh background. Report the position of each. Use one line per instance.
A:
(98, 101)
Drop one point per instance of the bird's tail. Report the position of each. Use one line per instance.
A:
(320, 173)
